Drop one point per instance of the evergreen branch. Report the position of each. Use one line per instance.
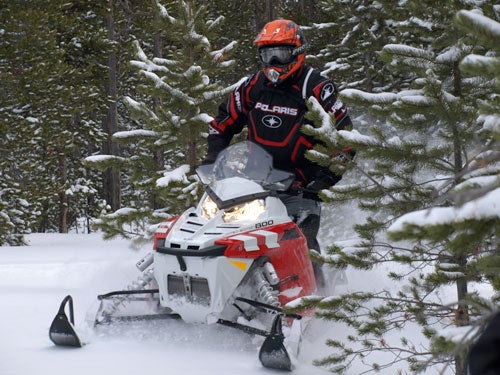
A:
(370, 348)
(486, 29)
(410, 56)
(381, 187)
(218, 55)
(179, 94)
(368, 99)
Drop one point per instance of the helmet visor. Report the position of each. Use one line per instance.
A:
(277, 55)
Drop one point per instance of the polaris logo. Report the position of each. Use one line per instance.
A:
(327, 91)
(276, 109)
(272, 121)
(237, 99)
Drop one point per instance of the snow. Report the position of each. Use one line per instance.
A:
(219, 54)
(178, 174)
(383, 98)
(135, 133)
(204, 117)
(100, 158)
(491, 123)
(450, 55)
(32, 119)
(124, 211)
(491, 25)
(140, 107)
(476, 181)
(425, 24)
(164, 13)
(485, 207)
(34, 279)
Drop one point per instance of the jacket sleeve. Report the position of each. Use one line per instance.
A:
(327, 95)
(230, 120)
(342, 121)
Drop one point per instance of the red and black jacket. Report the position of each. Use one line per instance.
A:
(274, 117)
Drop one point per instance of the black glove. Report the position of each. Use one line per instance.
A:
(207, 161)
(321, 181)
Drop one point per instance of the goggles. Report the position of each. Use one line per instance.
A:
(279, 55)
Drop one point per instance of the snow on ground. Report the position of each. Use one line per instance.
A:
(35, 278)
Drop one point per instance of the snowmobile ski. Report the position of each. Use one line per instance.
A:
(273, 353)
(62, 331)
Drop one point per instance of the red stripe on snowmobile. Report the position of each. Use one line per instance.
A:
(287, 252)
(253, 243)
(162, 230)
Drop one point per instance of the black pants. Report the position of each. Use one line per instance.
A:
(484, 357)
(307, 214)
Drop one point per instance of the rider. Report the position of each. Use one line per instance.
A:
(272, 104)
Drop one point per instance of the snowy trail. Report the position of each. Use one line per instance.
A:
(33, 281)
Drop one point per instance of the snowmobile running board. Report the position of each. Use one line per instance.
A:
(272, 354)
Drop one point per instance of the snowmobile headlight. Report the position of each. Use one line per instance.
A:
(245, 211)
(209, 208)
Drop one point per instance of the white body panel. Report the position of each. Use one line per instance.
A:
(223, 275)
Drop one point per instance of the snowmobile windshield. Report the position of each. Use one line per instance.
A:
(247, 160)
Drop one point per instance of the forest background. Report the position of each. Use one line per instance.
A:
(103, 117)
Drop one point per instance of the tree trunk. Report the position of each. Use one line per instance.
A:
(112, 191)
(269, 10)
(44, 222)
(462, 315)
(63, 197)
(261, 13)
(158, 155)
(191, 153)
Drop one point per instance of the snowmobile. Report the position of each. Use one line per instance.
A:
(236, 259)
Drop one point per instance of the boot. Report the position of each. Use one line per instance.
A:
(319, 275)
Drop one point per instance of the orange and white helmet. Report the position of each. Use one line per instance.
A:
(282, 49)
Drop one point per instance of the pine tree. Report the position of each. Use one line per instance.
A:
(15, 210)
(49, 51)
(243, 21)
(420, 162)
(351, 35)
(240, 24)
(473, 218)
(171, 121)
